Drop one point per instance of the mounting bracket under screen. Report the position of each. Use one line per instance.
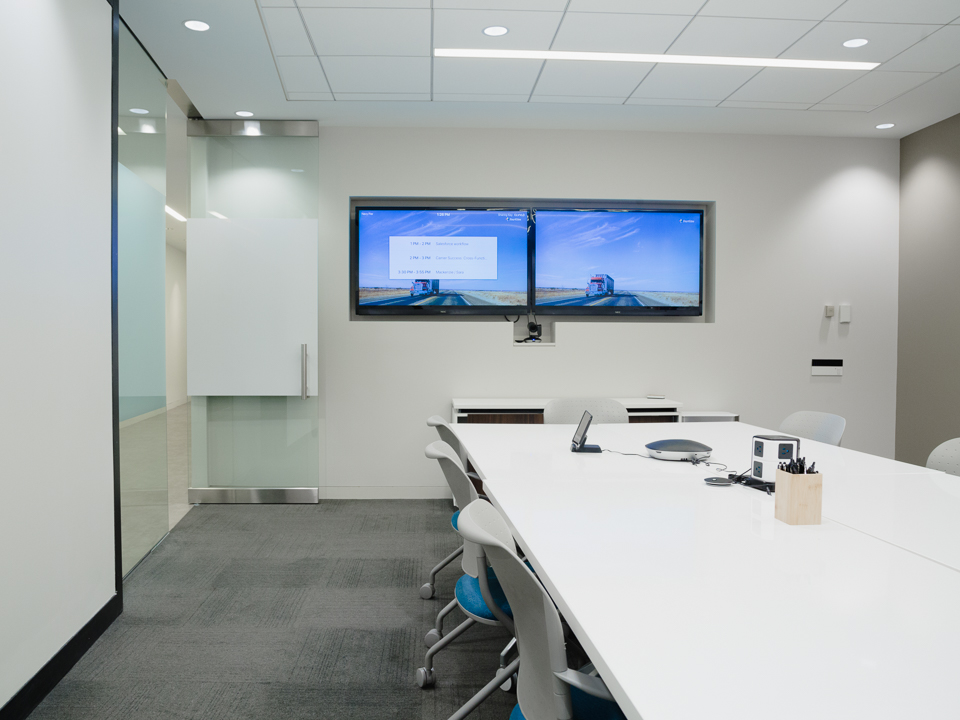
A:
(580, 436)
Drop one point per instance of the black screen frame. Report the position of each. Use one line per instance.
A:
(617, 311)
(413, 311)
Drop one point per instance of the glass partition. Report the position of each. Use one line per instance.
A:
(141, 267)
(243, 442)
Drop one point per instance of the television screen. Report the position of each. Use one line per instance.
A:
(460, 261)
(618, 262)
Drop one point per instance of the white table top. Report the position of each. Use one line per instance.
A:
(694, 602)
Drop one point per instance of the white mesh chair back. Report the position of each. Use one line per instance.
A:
(568, 411)
(946, 457)
(446, 434)
(463, 492)
(820, 426)
(542, 696)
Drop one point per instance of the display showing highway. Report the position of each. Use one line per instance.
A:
(617, 299)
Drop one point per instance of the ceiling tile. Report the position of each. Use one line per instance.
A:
(535, 5)
(378, 74)
(653, 7)
(704, 82)
(782, 9)
(739, 37)
(825, 41)
(468, 97)
(618, 32)
(879, 87)
(588, 79)
(672, 101)
(309, 96)
(383, 97)
(489, 77)
(933, 12)
(348, 31)
(843, 108)
(464, 29)
(937, 53)
(277, 3)
(422, 4)
(764, 105)
(794, 85)
(302, 74)
(576, 99)
(286, 33)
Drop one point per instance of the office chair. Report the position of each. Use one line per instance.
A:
(448, 436)
(548, 689)
(467, 594)
(813, 425)
(946, 457)
(570, 410)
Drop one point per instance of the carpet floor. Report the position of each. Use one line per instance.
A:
(286, 611)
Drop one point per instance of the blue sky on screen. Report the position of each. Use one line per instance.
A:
(641, 251)
(509, 227)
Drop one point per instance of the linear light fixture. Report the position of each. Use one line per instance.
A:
(174, 214)
(648, 58)
(217, 215)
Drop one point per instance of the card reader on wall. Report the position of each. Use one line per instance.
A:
(826, 367)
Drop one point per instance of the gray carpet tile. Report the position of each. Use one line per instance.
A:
(286, 611)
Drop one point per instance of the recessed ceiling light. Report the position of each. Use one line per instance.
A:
(295, 170)
(495, 31)
(884, 126)
(244, 113)
(120, 131)
(217, 215)
(197, 25)
(649, 58)
(174, 214)
(856, 42)
(139, 111)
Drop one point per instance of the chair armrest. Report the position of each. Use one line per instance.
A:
(590, 684)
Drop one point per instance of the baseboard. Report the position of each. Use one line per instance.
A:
(40, 685)
(367, 492)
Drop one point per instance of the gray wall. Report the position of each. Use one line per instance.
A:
(928, 389)
(800, 222)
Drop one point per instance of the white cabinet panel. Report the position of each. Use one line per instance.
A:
(252, 289)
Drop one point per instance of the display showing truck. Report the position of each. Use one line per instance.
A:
(600, 285)
(425, 287)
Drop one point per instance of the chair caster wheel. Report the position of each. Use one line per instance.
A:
(431, 638)
(426, 678)
(510, 684)
(426, 591)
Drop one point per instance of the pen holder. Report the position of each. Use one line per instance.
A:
(798, 498)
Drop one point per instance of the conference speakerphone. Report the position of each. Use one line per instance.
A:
(679, 450)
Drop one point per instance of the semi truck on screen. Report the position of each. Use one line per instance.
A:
(600, 285)
(425, 287)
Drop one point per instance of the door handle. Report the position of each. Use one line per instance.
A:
(303, 372)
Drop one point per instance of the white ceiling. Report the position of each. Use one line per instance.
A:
(369, 62)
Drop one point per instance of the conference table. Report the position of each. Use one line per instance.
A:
(693, 601)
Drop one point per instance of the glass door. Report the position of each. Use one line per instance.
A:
(252, 324)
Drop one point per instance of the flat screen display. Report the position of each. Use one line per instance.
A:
(414, 260)
(618, 262)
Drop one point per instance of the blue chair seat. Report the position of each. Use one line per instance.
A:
(453, 520)
(585, 707)
(471, 600)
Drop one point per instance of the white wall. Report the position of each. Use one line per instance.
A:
(56, 448)
(176, 327)
(801, 222)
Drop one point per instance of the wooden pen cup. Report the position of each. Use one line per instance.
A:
(798, 498)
